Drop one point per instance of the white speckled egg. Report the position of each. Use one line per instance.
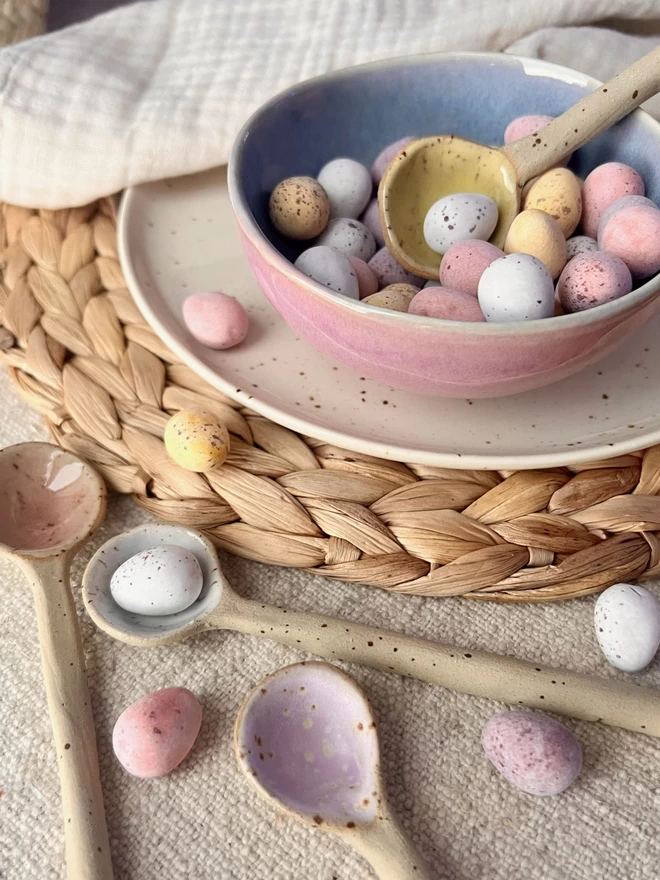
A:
(580, 244)
(330, 268)
(627, 621)
(350, 237)
(348, 185)
(459, 217)
(162, 580)
(517, 287)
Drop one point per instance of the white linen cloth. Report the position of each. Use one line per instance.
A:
(160, 88)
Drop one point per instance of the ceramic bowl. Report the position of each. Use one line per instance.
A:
(356, 113)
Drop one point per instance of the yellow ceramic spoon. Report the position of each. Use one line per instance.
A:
(432, 167)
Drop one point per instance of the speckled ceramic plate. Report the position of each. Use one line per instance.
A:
(178, 236)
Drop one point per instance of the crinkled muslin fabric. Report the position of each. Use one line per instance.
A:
(158, 89)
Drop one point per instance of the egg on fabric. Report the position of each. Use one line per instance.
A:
(459, 217)
(396, 297)
(630, 228)
(557, 192)
(215, 319)
(162, 580)
(591, 279)
(465, 262)
(348, 236)
(627, 622)
(386, 155)
(348, 185)
(371, 219)
(517, 287)
(299, 208)
(388, 271)
(523, 126)
(602, 187)
(537, 233)
(447, 304)
(533, 752)
(155, 733)
(196, 440)
(367, 281)
(580, 244)
(330, 268)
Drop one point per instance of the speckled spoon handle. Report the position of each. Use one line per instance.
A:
(389, 851)
(495, 677)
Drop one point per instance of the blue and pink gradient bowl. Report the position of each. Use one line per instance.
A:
(356, 113)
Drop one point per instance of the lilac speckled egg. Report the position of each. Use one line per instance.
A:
(535, 753)
(464, 264)
(371, 219)
(450, 305)
(330, 268)
(348, 186)
(367, 281)
(348, 236)
(385, 156)
(627, 622)
(522, 126)
(592, 279)
(603, 186)
(632, 232)
(154, 734)
(580, 244)
(388, 271)
(215, 319)
(459, 217)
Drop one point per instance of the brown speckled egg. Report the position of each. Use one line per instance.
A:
(536, 233)
(299, 208)
(558, 193)
(396, 297)
(197, 441)
(592, 279)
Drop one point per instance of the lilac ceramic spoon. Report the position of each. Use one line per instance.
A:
(306, 739)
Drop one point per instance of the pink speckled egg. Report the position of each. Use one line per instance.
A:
(386, 155)
(154, 734)
(371, 219)
(602, 187)
(367, 281)
(215, 319)
(464, 264)
(592, 279)
(631, 231)
(533, 752)
(522, 126)
(388, 271)
(442, 302)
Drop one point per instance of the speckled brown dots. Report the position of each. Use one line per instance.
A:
(299, 208)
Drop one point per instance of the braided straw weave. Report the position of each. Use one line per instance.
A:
(79, 352)
(21, 19)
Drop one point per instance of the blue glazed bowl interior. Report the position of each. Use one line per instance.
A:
(358, 112)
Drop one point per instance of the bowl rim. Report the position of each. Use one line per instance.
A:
(632, 301)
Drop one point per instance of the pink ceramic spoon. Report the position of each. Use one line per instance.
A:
(306, 738)
(50, 504)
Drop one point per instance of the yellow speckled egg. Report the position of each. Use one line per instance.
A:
(299, 208)
(396, 297)
(558, 193)
(539, 234)
(196, 440)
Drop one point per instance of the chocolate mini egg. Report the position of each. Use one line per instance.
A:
(627, 621)
(459, 217)
(197, 440)
(215, 319)
(299, 208)
(464, 264)
(630, 228)
(331, 269)
(396, 297)
(350, 237)
(371, 219)
(516, 288)
(592, 279)
(348, 185)
(388, 271)
(580, 244)
(537, 233)
(367, 281)
(535, 753)
(386, 155)
(602, 187)
(162, 580)
(557, 192)
(447, 304)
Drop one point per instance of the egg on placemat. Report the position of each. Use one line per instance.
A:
(164, 579)
(459, 217)
(350, 237)
(330, 268)
(517, 287)
(196, 441)
(591, 279)
(299, 208)
(627, 622)
(348, 185)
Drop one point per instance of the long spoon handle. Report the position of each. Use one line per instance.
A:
(85, 834)
(390, 852)
(492, 676)
(596, 112)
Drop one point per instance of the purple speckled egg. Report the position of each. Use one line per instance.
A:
(535, 753)
(464, 264)
(631, 231)
(388, 271)
(603, 186)
(580, 244)
(371, 219)
(450, 305)
(386, 155)
(215, 319)
(367, 281)
(592, 279)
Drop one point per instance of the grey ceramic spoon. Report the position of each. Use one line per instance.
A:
(472, 672)
(306, 738)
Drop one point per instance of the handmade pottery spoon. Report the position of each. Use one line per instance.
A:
(432, 167)
(50, 504)
(306, 739)
(471, 672)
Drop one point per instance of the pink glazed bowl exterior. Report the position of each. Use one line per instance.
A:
(426, 355)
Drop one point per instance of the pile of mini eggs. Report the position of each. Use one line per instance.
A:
(545, 268)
